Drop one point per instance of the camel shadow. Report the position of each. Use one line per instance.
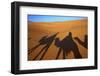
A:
(67, 45)
(42, 41)
(83, 43)
(47, 41)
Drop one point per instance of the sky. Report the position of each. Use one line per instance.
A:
(51, 18)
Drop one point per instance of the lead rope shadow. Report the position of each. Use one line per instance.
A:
(47, 41)
(66, 46)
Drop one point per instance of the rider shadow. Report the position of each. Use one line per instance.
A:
(66, 46)
(47, 41)
(83, 43)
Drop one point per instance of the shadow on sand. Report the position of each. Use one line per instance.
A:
(66, 45)
(47, 41)
(83, 43)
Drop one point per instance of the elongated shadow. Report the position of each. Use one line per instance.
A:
(47, 41)
(83, 43)
(42, 41)
(66, 46)
(33, 49)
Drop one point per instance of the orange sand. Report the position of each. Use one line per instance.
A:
(36, 30)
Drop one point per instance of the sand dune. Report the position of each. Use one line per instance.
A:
(36, 30)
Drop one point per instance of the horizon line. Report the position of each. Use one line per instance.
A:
(50, 18)
(59, 21)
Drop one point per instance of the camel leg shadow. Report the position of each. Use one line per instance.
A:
(77, 53)
(44, 53)
(58, 53)
(64, 55)
(32, 50)
(40, 52)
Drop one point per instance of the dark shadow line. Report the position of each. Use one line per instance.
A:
(32, 49)
(64, 54)
(44, 53)
(58, 53)
(40, 52)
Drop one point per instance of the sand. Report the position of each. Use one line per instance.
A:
(36, 30)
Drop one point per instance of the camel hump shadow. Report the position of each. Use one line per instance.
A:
(67, 45)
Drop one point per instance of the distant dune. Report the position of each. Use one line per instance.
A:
(36, 30)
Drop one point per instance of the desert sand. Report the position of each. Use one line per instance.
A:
(36, 30)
